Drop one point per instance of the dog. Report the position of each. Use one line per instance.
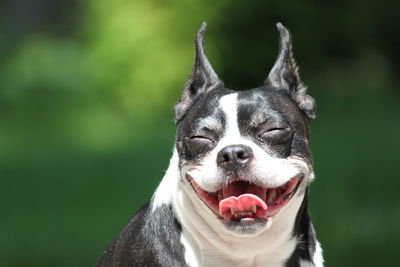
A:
(236, 189)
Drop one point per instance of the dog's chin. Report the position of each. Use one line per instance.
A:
(248, 226)
(247, 208)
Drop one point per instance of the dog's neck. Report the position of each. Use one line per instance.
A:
(208, 243)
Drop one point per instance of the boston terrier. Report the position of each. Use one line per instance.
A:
(235, 192)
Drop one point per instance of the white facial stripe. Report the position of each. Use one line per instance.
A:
(228, 104)
(232, 136)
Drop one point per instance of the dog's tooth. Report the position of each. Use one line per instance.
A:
(254, 209)
(220, 195)
(271, 195)
(233, 211)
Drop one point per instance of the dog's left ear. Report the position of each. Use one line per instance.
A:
(284, 75)
(202, 79)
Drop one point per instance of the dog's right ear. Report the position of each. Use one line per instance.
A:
(202, 79)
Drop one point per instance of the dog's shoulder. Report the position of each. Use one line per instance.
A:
(151, 238)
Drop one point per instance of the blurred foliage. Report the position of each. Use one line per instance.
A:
(87, 88)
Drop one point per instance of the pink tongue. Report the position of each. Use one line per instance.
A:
(241, 203)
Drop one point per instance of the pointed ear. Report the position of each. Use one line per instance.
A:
(202, 79)
(285, 76)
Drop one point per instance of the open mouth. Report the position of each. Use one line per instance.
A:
(241, 200)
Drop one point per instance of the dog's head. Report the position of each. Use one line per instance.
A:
(245, 154)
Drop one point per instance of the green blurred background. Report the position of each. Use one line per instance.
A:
(86, 93)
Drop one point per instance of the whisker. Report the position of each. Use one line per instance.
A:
(167, 138)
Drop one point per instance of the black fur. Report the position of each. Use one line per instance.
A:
(304, 232)
(149, 239)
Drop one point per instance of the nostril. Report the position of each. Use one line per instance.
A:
(241, 155)
(226, 157)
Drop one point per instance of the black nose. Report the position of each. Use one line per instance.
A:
(233, 155)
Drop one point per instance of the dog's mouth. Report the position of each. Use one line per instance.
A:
(243, 201)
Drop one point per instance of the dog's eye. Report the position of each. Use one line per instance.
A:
(275, 135)
(198, 143)
(200, 139)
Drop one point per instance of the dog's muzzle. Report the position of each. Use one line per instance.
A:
(241, 200)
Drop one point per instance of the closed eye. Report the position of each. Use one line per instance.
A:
(276, 129)
(198, 144)
(200, 140)
(198, 137)
(275, 135)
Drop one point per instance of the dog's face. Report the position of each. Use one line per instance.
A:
(245, 154)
